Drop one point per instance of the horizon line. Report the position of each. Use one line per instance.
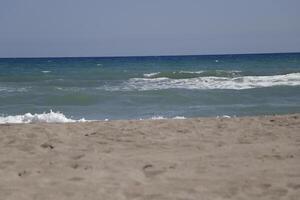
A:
(164, 55)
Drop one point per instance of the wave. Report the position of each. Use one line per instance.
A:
(150, 75)
(179, 117)
(58, 117)
(161, 117)
(209, 82)
(193, 74)
(46, 72)
(13, 89)
(157, 117)
(51, 117)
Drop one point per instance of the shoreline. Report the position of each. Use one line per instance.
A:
(255, 157)
(154, 118)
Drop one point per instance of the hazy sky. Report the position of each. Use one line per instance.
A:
(41, 28)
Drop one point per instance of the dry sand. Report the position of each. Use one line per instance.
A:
(203, 158)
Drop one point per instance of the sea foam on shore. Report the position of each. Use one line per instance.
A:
(58, 117)
(51, 117)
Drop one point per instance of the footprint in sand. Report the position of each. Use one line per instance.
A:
(74, 165)
(23, 173)
(76, 179)
(77, 157)
(90, 134)
(47, 146)
(151, 171)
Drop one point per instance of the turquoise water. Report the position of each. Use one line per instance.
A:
(144, 87)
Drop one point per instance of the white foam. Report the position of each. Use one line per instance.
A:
(210, 82)
(12, 89)
(157, 117)
(191, 72)
(51, 117)
(59, 88)
(179, 117)
(45, 72)
(151, 74)
(225, 117)
(161, 117)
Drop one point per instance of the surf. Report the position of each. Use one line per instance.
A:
(210, 82)
(51, 117)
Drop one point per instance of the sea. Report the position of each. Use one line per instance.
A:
(154, 87)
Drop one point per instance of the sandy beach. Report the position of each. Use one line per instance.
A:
(201, 158)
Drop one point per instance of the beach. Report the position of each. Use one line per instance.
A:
(197, 158)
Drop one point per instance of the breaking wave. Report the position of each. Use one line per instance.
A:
(13, 89)
(162, 117)
(46, 72)
(51, 117)
(57, 117)
(193, 74)
(209, 82)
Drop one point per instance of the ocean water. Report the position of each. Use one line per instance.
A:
(68, 89)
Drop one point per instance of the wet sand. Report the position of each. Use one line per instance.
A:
(201, 158)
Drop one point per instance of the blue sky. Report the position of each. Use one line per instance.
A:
(42, 28)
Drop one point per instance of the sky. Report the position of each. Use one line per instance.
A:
(63, 28)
